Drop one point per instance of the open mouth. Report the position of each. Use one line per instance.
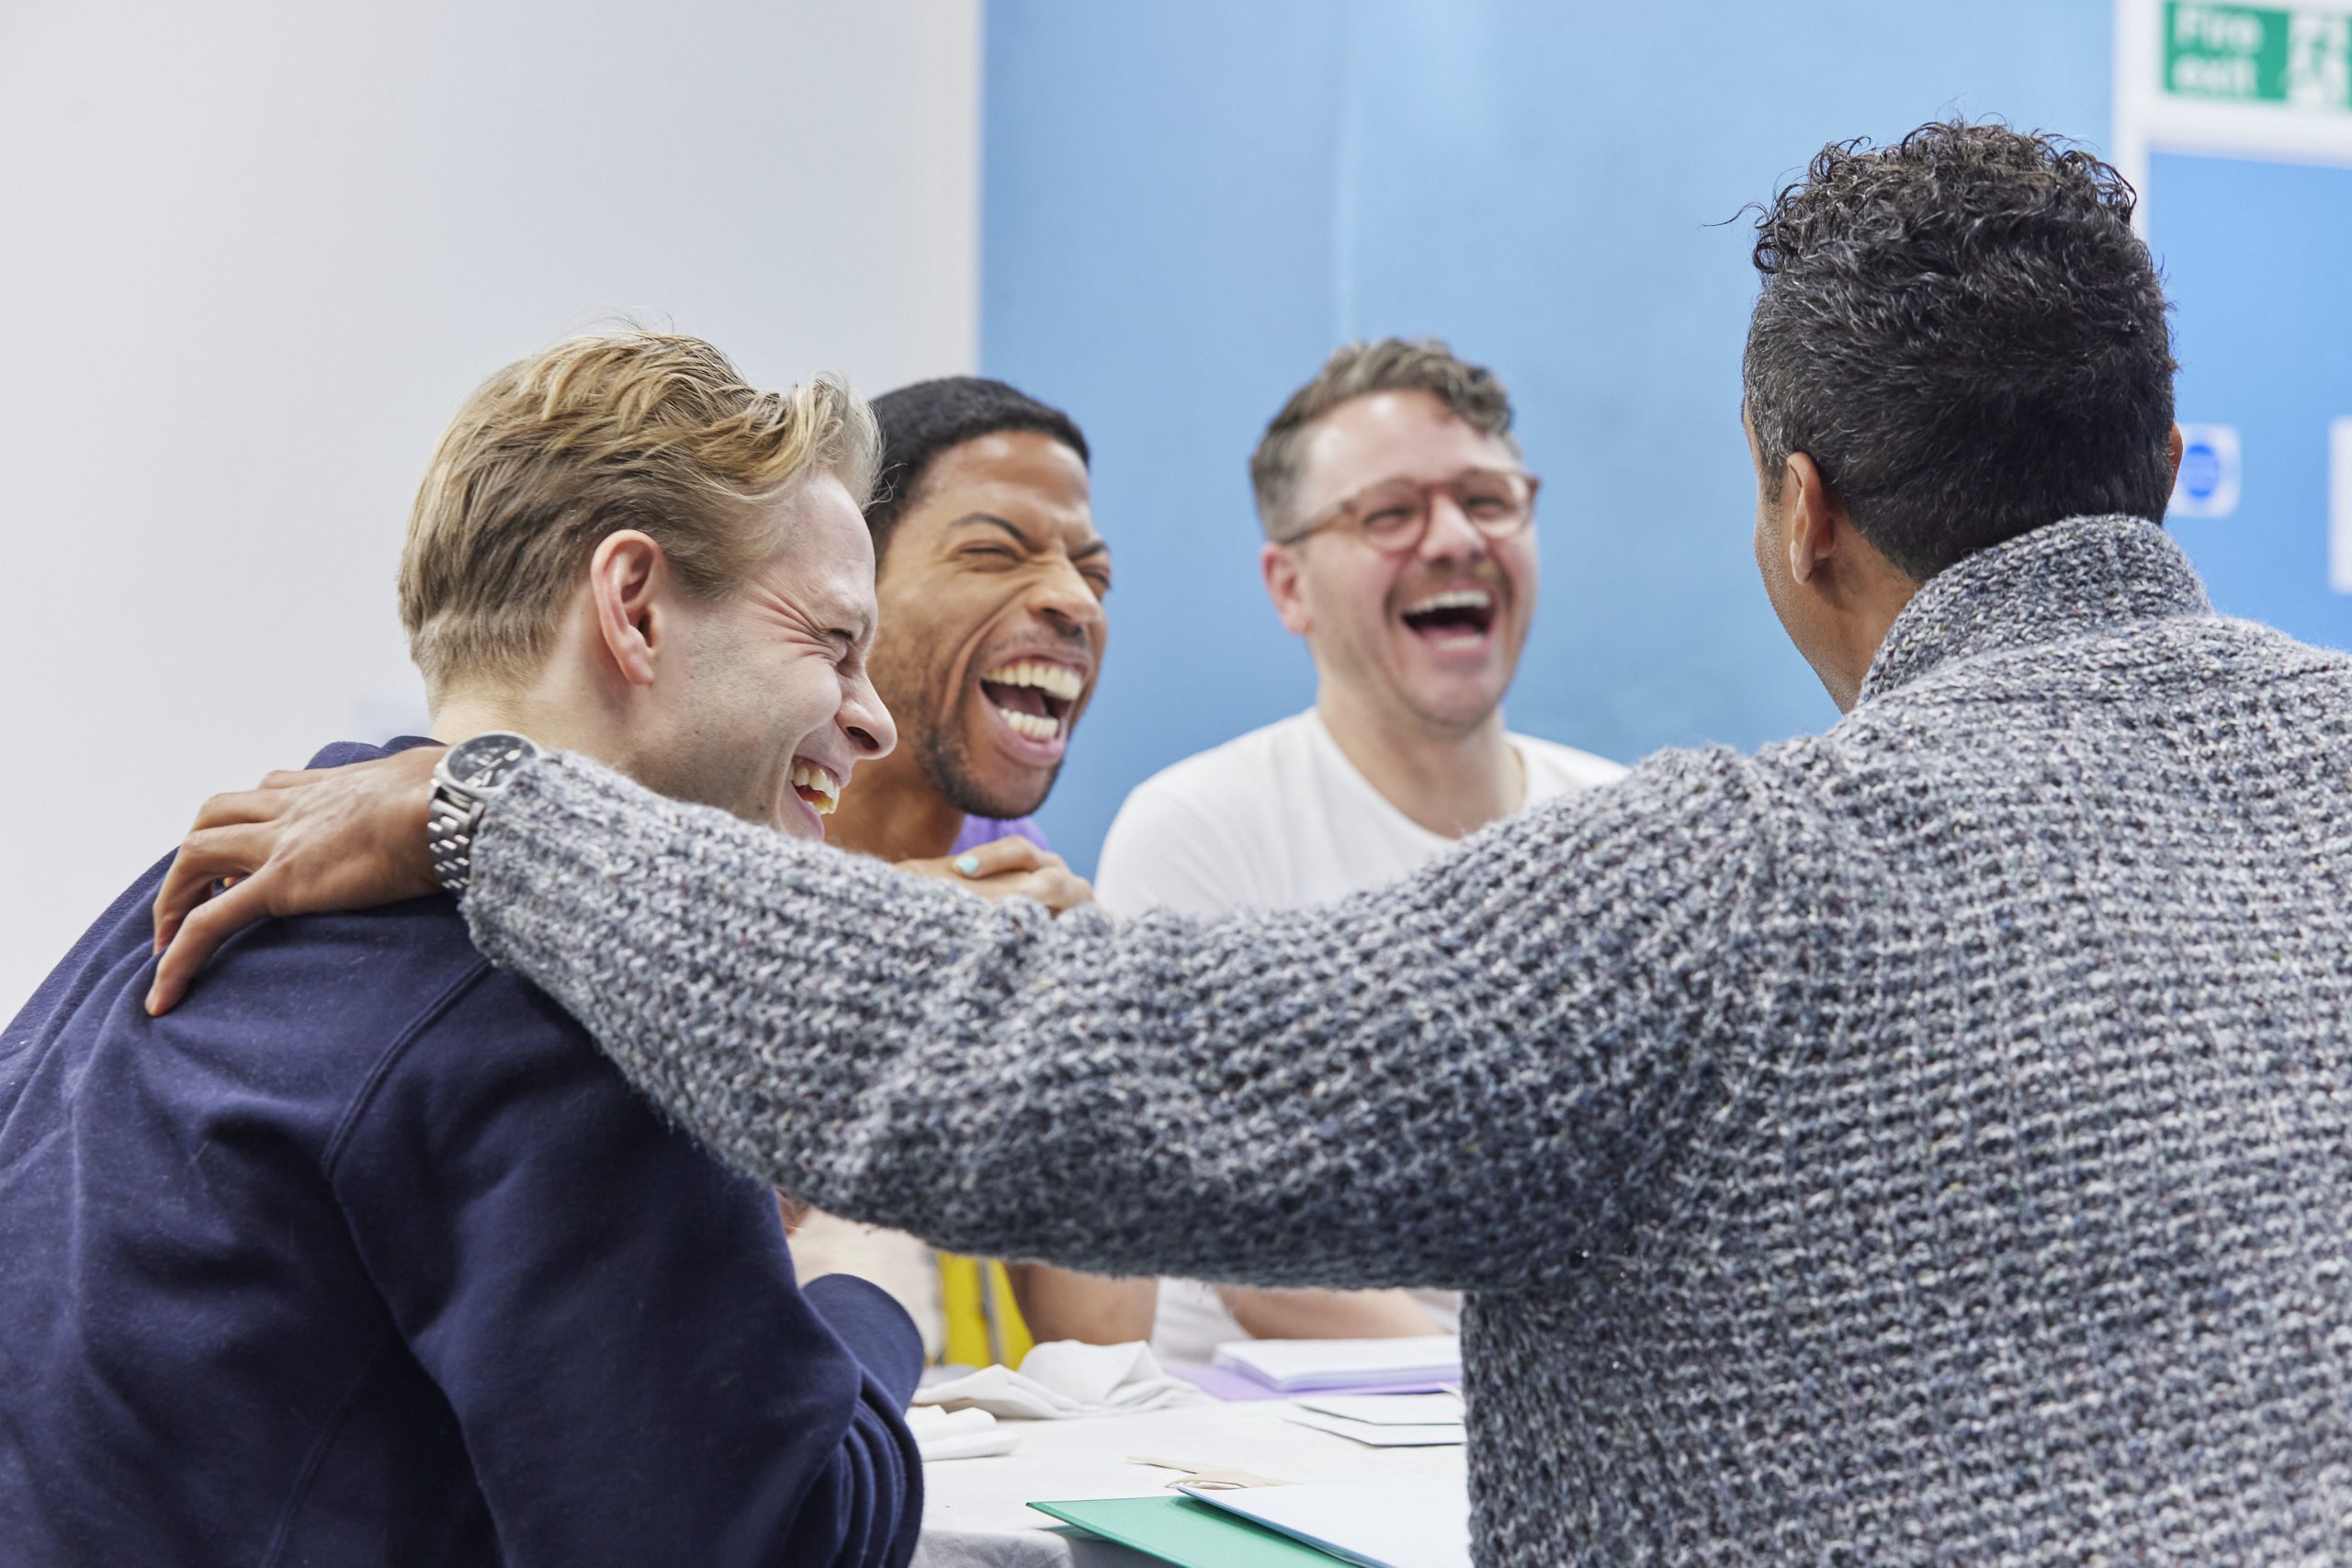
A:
(1034, 697)
(1457, 615)
(815, 783)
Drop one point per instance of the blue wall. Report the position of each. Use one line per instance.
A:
(1186, 206)
(2254, 258)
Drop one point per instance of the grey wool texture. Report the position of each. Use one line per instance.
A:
(1925, 1142)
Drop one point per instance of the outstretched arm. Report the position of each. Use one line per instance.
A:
(1461, 1080)
(307, 841)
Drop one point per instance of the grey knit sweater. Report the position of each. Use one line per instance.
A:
(1929, 1142)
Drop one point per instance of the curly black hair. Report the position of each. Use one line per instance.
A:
(922, 420)
(1965, 335)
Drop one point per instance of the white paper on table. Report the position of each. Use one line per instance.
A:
(1388, 1409)
(961, 1433)
(1302, 1366)
(1420, 1436)
(1063, 1378)
(1398, 1522)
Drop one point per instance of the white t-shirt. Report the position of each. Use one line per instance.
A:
(1275, 820)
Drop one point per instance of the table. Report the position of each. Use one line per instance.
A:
(974, 1509)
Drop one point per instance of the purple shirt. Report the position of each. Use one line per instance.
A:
(978, 830)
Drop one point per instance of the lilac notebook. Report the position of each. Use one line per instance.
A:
(1231, 1385)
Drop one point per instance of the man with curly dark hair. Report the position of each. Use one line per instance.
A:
(1929, 1141)
(1958, 340)
(1963, 334)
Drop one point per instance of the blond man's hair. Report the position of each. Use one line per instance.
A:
(1358, 371)
(627, 430)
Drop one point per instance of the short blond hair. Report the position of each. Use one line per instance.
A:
(627, 430)
(1358, 371)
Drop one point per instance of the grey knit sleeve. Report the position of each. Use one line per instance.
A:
(1469, 1079)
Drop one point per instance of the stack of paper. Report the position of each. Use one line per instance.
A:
(1387, 1420)
(1309, 1365)
(1398, 1522)
(1230, 1383)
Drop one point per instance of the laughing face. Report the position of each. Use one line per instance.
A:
(766, 704)
(1428, 636)
(991, 593)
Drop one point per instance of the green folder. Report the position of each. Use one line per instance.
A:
(1189, 1534)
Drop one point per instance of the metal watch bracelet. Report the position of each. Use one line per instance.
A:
(470, 775)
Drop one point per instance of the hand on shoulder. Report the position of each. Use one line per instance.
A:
(304, 842)
(1010, 868)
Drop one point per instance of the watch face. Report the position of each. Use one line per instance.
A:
(485, 762)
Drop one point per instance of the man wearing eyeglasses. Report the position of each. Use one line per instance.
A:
(1400, 543)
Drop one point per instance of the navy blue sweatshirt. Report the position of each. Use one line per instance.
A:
(365, 1254)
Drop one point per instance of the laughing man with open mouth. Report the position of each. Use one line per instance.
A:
(1400, 544)
(990, 578)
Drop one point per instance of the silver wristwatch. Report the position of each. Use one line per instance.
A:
(472, 773)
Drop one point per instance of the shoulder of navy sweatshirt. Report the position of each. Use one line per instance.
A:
(365, 1254)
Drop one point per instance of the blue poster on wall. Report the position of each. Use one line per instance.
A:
(2253, 254)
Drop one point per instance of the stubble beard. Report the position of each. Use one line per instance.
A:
(947, 762)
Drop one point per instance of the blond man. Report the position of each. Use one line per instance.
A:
(368, 1256)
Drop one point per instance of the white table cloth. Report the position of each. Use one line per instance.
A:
(974, 1509)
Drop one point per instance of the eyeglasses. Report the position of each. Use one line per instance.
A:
(1393, 515)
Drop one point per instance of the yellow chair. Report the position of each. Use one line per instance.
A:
(983, 1320)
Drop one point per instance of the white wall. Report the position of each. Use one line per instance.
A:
(254, 253)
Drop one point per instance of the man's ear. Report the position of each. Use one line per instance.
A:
(1815, 524)
(629, 583)
(1280, 565)
(2174, 445)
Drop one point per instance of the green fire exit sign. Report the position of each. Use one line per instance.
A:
(2258, 54)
